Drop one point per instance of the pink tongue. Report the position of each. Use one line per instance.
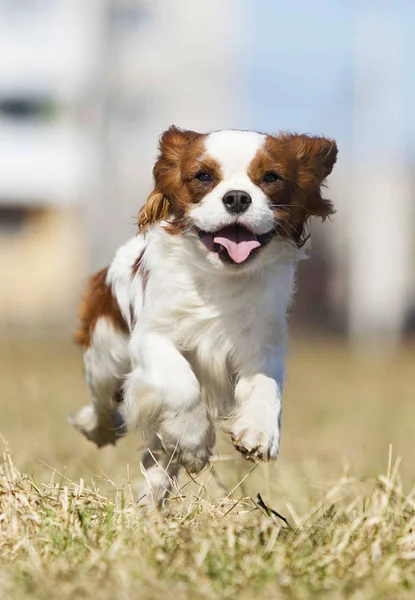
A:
(238, 241)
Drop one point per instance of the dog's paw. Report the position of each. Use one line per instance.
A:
(157, 485)
(188, 437)
(151, 496)
(100, 432)
(193, 455)
(254, 442)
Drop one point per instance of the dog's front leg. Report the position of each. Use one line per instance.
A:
(256, 430)
(162, 391)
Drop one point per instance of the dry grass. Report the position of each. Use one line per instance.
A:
(350, 531)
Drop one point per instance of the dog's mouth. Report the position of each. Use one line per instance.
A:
(235, 243)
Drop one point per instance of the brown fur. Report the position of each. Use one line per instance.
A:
(98, 301)
(156, 208)
(175, 186)
(316, 157)
(138, 267)
(302, 162)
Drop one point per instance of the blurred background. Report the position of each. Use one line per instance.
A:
(86, 88)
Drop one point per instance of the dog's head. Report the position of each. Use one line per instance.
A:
(235, 192)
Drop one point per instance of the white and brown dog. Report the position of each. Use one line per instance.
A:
(187, 327)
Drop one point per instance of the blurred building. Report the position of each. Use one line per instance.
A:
(85, 91)
(381, 216)
(345, 69)
(87, 86)
(48, 158)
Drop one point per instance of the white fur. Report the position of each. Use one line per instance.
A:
(207, 341)
(209, 345)
(106, 363)
(160, 475)
(123, 285)
(234, 151)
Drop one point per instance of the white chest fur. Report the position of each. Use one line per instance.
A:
(220, 322)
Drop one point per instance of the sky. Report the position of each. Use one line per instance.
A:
(300, 69)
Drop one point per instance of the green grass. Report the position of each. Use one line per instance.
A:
(69, 526)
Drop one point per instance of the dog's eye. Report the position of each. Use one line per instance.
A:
(204, 177)
(270, 177)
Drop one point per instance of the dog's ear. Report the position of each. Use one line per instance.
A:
(162, 202)
(315, 157)
(315, 154)
(173, 143)
(156, 208)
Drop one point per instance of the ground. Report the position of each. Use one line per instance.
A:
(69, 526)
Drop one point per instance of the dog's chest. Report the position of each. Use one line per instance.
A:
(220, 334)
(221, 323)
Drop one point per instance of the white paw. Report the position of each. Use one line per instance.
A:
(188, 436)
(151, 496)
(156, 486)
(147, 499)
(101, 432)
(253, 441)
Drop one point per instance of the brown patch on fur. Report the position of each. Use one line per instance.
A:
(273, 158)
(155, 209)
(98, 301)
(137, 264)
(138, 267)
(118, 397)
(175, 186)
(301, 163)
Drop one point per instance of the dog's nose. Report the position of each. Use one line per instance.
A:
(236, 201)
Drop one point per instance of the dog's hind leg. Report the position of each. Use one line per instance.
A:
(106, 364)
(160, 475)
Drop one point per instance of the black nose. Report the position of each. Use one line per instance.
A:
(236, 201)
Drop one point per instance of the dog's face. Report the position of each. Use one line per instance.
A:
(234, 192)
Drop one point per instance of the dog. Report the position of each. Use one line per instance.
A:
(186, 329)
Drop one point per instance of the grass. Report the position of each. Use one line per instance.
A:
(69, 526)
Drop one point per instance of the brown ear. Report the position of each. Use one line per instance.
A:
(161, 203)
(316, 154)
(156, 208)
(315, 158)
(173, 143)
